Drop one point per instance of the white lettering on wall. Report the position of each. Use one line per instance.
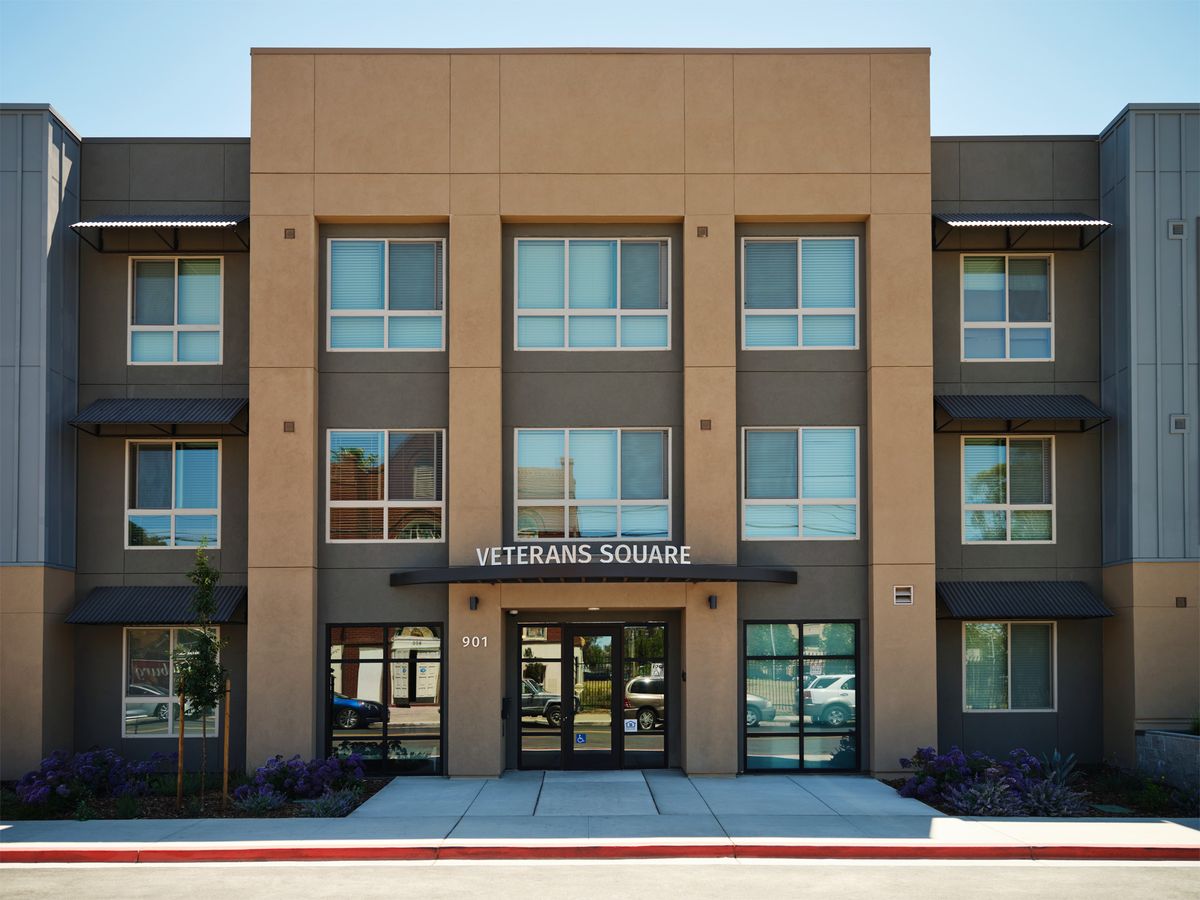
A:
(569, 554)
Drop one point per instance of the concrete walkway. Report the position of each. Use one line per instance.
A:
(615, 814)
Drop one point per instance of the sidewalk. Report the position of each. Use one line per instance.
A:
(580, 815)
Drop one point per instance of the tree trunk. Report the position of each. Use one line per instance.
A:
(203, 755)
(179, 766)
(225, 761)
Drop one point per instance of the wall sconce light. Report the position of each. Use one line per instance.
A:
(474, 601)
(712, 601)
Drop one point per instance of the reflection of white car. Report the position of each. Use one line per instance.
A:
(829, 699)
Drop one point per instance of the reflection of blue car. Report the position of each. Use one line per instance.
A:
(350, 713)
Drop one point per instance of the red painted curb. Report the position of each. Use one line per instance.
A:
(594, 851)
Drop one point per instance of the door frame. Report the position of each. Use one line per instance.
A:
(615, 631)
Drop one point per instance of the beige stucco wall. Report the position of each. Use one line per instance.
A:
(37, 652)
(1151, 651)
(481, 138)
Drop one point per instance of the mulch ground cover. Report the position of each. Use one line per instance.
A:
(155, 806)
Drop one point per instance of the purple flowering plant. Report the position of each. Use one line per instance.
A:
(295, 779)
(64, 777)
(935, 774)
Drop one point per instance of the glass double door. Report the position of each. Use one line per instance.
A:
(593, 696)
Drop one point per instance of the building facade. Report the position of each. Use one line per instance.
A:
(737, 428)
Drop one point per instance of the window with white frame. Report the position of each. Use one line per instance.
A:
(175, 308)
(584, 483)
(593, 294)
(173, 494)
(386, 294)
(1008, 666)
(386, 486)
(1008, 490)
(151, 699)
(800, 484)
(800, 293)
(1007, 307)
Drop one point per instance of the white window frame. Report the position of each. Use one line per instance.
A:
(173, 511)
(567, 502)
(1008, 623)
(175, 328)
(800, 502)
(1006, 326)
(172, 698)
(800, 312)
(1007, 507)
(385, 504)
(565, 312)
(386, 313)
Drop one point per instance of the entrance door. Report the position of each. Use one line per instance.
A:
(592, 739)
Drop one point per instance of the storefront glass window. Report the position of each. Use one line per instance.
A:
(801, 695)
(385, 696)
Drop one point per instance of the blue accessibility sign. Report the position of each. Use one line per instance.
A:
(581, 738)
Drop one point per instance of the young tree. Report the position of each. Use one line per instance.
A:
(199, 675)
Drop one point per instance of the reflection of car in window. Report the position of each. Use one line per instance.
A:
(540, 703)
(151, 710)
(349, 712)
(647, 695)
(830, 700)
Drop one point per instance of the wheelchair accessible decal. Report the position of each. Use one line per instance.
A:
(581, 738)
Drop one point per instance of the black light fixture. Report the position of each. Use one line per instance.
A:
(474, 603)
(712, 601)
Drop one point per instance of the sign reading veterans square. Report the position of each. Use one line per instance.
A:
(533, 555)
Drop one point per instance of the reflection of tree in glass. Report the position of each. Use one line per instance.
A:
(140, 537)
(644, 642)
(355, 474)
(534, 671)
(986, 486)
(596, 655)
(414, 524)
(776, 639)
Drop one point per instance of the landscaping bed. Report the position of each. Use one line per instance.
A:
(100, 784)
(975, 784)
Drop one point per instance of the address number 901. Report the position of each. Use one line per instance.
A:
(474, 640)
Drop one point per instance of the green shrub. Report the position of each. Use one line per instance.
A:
(1053, 798)
(331, 804)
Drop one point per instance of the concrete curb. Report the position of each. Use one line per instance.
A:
(217, 853)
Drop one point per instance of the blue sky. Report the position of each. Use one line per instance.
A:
(182, 67)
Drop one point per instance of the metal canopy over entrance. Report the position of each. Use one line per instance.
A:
(590, 572)
(164, 230)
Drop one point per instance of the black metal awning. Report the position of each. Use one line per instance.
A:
(162, 414)
(589, 572)
(1020, 600)
(1017, 412)
(1014, 226)
(147, 605)
(166, 228)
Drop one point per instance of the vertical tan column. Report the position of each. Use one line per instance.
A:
(899, 439)
(710, 397)
(474, 740)
(281, 651)
(37, 655)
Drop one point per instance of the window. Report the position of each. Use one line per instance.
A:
(1008, 666)
(151, 705)
(583, 483)
(800, 484)
(173, 493)
(800, 293)
(1007, 308)
(395, 476)
(386, 294)
(593, 294)
(175, 306)
(801, 695)
(1008, 490)
(385, 696)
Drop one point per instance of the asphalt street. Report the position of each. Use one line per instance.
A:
(660, 879)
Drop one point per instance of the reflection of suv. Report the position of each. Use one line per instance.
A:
(645, 694)
(538, 702)
(830, 700)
